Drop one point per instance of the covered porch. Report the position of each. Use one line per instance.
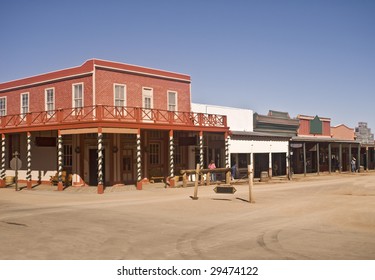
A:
(102, 145)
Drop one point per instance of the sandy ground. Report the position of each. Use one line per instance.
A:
(321, 217)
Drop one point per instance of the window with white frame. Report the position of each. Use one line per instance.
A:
(172, 101)
(148, 103)
(3, 106)
(50, 100)
(77, 95)
(120, 95)
(147, 96)
(24, 104)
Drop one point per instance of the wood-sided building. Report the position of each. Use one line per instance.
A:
(319, 148)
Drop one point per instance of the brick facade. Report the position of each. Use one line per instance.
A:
(100, 144)
(102, 76)
(304, 126)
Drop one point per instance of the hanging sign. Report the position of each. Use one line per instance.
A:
(295, 145)
(225, 189)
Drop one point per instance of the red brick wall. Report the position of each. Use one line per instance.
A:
(63, 95)
(304, 128)
(134, 83)
(104, 92)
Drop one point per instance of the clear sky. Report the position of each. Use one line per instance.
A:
(303, 57)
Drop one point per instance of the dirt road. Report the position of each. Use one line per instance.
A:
(326, 217)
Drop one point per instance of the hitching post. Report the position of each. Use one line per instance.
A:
(251, 182)
(16, 177)
(197, 171)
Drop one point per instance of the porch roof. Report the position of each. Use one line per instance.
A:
(322, 140)
(254, 134)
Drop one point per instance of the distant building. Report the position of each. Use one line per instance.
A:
(343, 132)
(277, 123)
(318, 147)
(363, 134)
(366, 138)
(261, 139)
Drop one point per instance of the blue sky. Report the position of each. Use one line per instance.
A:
(303, 57)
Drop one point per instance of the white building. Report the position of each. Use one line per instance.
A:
(269, 150)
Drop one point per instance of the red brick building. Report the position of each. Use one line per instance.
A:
(105, 123)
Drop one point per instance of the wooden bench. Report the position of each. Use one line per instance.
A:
(208, 172)
(157, 178)
(66, 180)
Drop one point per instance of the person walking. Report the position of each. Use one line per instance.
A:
(354, 165)
(234, 171)
(212, 166)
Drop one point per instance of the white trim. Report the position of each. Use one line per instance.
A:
(28, 103)
(44, 81)
(83, 94)
(94, 86)
(114, 93)
(176, 99)
(45, 98)
(5, 98)
(190, 97)
(138, 72)
(93, 73)
(144, 73)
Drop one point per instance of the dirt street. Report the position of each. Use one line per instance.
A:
(321, 217)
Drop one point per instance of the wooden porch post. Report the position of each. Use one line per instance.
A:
(350, 157)
(227, 137)
(28, 172)
(100, 162)
(340, 158)
(139, 161)
(317, 158)
(304, 158)
(201, 155)
(2, 171)
(172, 182)
(287, 162)
(270, 165)
(359, 158)
(201, 149)
(60, 186)
(227, 165)
(329, 158)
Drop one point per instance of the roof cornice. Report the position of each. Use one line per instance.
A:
(88, 68)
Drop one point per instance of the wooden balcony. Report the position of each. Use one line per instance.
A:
(111, 116)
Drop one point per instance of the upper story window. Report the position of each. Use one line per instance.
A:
(172, 101)
(50, 100)
(120, 95)
(3, 106)
(147, 97)
(24, 103)
(77, 95)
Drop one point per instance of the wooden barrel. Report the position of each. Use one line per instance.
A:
(264, 176)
